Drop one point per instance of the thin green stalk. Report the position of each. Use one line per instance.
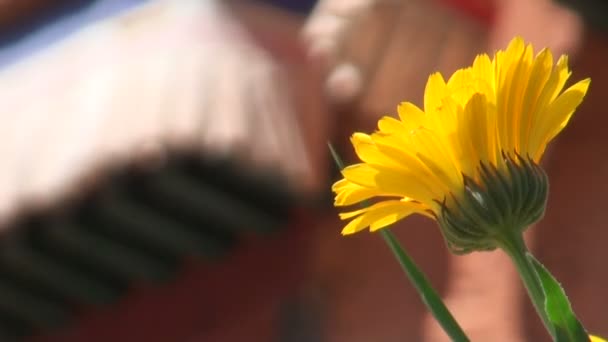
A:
(335, 156)
(429, 296)
(516, 248)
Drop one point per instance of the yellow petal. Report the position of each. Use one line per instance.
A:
(512, 68)
(558, 113)
(379, 215)
(436, 155)
(399, 148)
(350, 214)
(348, 193)
(368, 152)
(533, 101)
(476, 132)
(482, 70)
(517, 90)
(411, 116)
(563, 74)
(390, 125)
(388, 182)
(434, 92)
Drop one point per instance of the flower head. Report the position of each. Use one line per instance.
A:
(469, 158)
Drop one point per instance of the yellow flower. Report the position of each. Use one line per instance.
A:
(470, 157)
(596, 339)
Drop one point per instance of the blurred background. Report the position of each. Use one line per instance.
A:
(165, 173)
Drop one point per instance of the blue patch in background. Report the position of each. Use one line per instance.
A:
(55, 24)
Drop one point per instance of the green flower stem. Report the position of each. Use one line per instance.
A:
(515, 247)
(430, 298)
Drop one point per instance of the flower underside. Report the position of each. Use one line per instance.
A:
(501, 201)
(477, 142)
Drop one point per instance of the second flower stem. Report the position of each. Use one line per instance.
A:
(429, 296)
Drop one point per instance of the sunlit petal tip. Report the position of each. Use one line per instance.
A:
(580, 88)
(360, 137)
(584, 85)
(481, 58)
(347, 215)
(517, 43)
(347, 231)
(562, 61)
(593, 338)
(390, 125)
(544, 53)
(337, 186)
(353, 226)
(434, 92)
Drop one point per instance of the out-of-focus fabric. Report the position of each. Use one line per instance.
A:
(122, 80)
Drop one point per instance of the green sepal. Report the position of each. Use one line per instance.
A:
(566, 327)
(496, 202)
